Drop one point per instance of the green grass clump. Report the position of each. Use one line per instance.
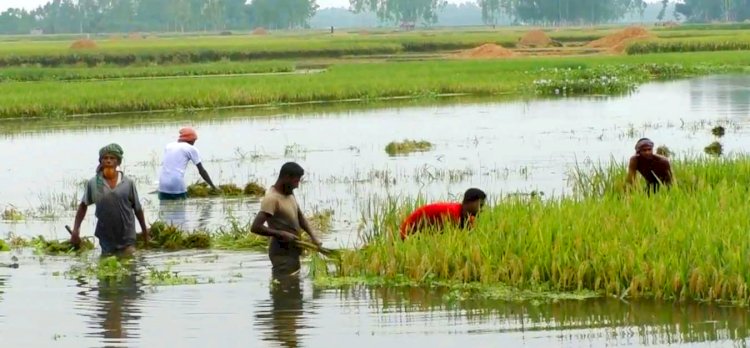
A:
(254, 189)
(665, 151)
(684, 243)
(718, 131)
(168, 237)
(12, 214)
(202, 190)
(4, 246)
(57, 247)
(407, 146)
(714, 149)
(109, 269)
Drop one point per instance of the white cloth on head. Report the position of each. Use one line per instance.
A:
(175, 161)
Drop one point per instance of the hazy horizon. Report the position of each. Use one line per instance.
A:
(32, 4)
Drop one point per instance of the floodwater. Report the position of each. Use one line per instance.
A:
(502, 147)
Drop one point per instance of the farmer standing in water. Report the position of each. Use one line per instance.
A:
(436, 215)
(176, 157)
(117, 206)
(281, 219)
(656, 169)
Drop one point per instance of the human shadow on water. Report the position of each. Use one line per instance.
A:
(174, 212)
(281, 317)
(112, 305)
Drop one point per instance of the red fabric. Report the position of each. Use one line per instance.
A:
(435, 214)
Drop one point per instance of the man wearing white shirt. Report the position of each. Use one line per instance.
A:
(177, 155)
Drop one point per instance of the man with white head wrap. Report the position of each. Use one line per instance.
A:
(654, 168)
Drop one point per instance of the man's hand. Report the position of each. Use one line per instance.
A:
(315, 240)
(287, 236)
(75, 237)
(146, 235)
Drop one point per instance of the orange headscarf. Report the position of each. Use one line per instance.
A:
(188, 134)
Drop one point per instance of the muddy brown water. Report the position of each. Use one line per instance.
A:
(503, 147)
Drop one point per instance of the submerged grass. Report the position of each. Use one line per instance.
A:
(407, 146)
(362, 81)
(686, 243)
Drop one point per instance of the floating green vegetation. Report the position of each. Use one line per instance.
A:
(407, 146)
(12, 214)
(714, 149)
(456, 291)
(238, 237)
(576, 81)
(4, 246)
(665, 151)
(57, 247)
(682, 244)
(168, 277)
(718, 131)
(111, 269)
(202, 190)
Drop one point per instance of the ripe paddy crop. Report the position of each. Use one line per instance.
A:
(686, 243)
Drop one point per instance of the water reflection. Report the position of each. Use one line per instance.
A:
(281, 317)
(648, 322)
(180, 214)
(113, 307)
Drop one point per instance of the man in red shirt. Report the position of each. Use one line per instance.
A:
(437, 214)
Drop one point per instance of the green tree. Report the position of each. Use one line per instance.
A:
(283, 14)
(401, 11)
(491, 11)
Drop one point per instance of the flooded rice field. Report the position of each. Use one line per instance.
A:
(230, 300)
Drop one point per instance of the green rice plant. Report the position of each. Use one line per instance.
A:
(686, 243)
(358, 81)
(705, 44)
(201, 190)
(26, 74)
(407, 146)
(169, 237)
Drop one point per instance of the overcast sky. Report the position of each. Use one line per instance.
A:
(31, 4)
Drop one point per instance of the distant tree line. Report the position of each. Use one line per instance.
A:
(556, 12)
(102, 16)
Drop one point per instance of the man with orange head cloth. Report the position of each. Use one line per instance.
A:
(176, 157)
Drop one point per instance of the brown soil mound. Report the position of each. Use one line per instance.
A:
(535, 38)
(260, 31)
(83, 44)
(486, 51)
(619, 40)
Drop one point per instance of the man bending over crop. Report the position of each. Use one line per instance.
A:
(177, 155)
(281, 219)
(438, 214)
(117, 206)
(654, 168)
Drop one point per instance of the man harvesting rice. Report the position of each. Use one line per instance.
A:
(117, 206)
(176, 157)
(654, 168)
(436, 215)
(281, 218)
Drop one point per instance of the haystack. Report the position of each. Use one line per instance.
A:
(535, 39)
(83, 44)
(486, 51)
(619, 40)
(260, 31)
